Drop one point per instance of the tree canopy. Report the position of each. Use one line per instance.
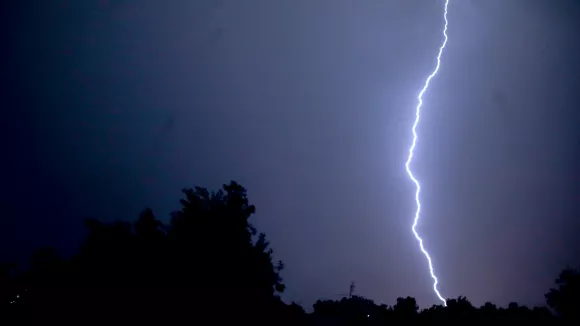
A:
(209, 264)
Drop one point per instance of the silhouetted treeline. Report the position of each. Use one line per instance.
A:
(209, 265)
(361, 311)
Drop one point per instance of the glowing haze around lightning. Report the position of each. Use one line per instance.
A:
(410, 158)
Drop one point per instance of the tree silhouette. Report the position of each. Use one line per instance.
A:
(355, 310)
(214, 228)
(209, 264)
(488, 312)
(461, 309)
(406, 309)
(139, 271)
(565, 298)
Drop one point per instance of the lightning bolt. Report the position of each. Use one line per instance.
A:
(410, 158)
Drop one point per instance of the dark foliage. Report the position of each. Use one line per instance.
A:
(360, 311)
(209, 265)
(565, 299)
(149, 271)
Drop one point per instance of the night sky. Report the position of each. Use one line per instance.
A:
(108, 107)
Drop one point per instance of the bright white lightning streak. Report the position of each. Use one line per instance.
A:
(412, 148)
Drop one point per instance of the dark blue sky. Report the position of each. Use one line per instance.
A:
(112, 106)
